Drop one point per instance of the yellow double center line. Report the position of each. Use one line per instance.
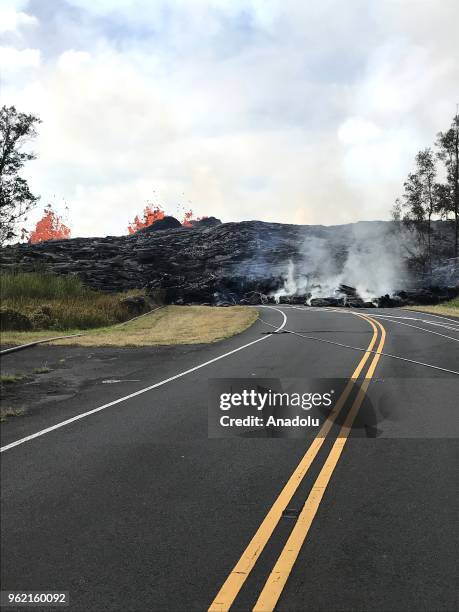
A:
(281, 571)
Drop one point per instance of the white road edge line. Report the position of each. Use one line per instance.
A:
(384, 317)
(42, 432)
(431, 314)
(428, 331)
(420, 320)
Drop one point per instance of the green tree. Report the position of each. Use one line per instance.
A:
(448, 152)
(420, 200)
(16, 199)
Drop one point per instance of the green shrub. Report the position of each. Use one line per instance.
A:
(13, 319)
(42, 318)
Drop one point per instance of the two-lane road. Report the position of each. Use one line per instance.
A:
(124, 501)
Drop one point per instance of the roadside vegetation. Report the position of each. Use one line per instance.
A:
(6, 413)
(450, 308)
(173, 325)
(34, 301)
(14, 383)
(431, 191)
(168, 325)
(41, 370)
(7, 379)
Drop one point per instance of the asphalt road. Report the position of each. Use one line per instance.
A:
(133, 507)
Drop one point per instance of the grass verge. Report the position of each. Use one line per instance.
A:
(169, 325)
(24, 337)
(450, 308)
(173, 325)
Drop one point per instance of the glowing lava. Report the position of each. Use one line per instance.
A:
(150, 216)
(156, 213)
(188, 220)
(50, 227)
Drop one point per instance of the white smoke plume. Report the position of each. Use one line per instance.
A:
(370, 257)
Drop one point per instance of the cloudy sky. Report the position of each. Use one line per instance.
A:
(279, 110)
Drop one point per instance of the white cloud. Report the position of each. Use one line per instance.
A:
(73, 61)
(12, 20)
(297, 112)
(356, 130)
(13, 60)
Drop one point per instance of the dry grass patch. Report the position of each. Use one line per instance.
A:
(173, 325)
(7, 379)
(16, 338)
(450, 308)
(42, 370)
(6, 413)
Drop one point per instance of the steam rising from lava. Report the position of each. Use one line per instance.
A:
(371, 261)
